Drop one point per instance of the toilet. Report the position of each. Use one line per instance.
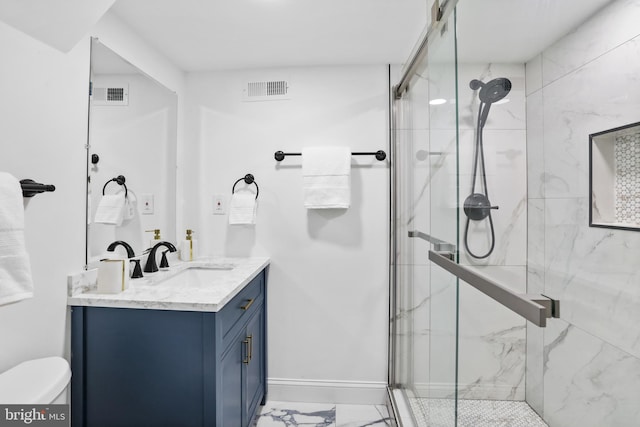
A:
(39, 381)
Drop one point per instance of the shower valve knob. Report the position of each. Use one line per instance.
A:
(477, 206)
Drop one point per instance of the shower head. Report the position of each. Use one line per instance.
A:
(492, 91)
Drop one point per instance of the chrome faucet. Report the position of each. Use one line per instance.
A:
(151, 266)
(112, 247)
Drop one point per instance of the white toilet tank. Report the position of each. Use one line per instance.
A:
(38, 381)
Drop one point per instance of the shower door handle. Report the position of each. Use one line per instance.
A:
(438, 245)
(535, 308)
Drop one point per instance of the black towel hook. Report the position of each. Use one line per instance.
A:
(248, 179)
(120, 180)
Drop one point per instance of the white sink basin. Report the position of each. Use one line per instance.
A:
(199, 276)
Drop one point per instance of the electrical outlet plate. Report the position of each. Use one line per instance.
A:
(219, 204)
(147, 204)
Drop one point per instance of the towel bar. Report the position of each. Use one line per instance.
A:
(30, 188)
(120, 180)
(380, 155)
(248, 179)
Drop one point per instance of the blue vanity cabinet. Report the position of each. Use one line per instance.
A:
(244, 358)
(157, 368)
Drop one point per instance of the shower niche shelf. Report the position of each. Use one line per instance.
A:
(614, 178)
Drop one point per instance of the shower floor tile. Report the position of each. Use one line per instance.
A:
(475, 413)
(293, 414)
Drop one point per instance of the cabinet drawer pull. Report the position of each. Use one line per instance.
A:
(247, 351)
(250, 338)
(247, 305)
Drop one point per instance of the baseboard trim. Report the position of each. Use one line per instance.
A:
(323, 391)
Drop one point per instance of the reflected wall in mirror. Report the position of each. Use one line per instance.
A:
(614, 178)
(133, 132)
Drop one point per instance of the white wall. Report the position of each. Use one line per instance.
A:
(43, 130)
(328, 279)
(43, 133)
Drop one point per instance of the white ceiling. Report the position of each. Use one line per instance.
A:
(516, 30)
(215, 34)
(60, 24)
(227, 34)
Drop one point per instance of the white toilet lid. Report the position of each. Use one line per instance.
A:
(37, 381)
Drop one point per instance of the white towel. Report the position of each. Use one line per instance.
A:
(242, 209)
(326, 175)
(111, 209)
(15, 270)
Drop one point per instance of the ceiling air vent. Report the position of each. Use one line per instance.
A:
(110, 95)
(266, 90)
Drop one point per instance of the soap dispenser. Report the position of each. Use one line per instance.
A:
(189, 247)
(156, 237)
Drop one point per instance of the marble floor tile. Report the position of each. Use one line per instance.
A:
(294, 414)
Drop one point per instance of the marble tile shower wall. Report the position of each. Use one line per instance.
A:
(491, 338)
(583, 369)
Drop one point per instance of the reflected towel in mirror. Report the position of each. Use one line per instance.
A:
(111, 209)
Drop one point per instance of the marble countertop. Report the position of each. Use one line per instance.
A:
(154, 291)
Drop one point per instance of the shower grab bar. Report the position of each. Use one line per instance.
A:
(535, 308)
(438, 245)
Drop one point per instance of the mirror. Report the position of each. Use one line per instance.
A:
(133, 133)
(614, 178)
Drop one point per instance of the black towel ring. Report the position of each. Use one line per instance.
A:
(120, 179)
(248, 179)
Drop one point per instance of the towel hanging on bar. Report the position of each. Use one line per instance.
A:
(326, 177)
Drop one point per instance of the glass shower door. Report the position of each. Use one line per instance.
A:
(441, 399)
(425, 174)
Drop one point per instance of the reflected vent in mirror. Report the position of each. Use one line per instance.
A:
(110, 95)
(266, 90)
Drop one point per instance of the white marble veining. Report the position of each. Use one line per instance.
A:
(587, 382)
(594, 272)
(293, 414)
(591, 357)
(491, 353)
(154, 292)
(579, 105)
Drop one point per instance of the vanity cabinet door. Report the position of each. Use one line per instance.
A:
(242, 373)
(231, 370)
(255, 368)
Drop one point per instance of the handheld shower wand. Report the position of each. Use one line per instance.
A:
(477, 206)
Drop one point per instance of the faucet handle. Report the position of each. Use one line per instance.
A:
(137, 270)
(164, 263)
